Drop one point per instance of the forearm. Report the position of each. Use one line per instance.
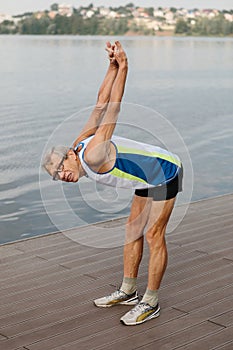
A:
(101, 105)
(118, 87)
(106, 86)
(110, 118)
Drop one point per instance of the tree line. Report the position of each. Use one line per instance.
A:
(75, 25)
(217, 26)
(78, 25)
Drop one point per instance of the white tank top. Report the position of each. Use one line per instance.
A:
(138, 165)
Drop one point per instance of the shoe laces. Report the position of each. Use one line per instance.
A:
(139, 307)
(116, 293)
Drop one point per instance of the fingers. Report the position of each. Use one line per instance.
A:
(108, 44)
(118, 45)
(116, 54)
(119, 53)
(112, 48)
(109, 48)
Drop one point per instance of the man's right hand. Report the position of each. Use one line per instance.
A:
(120, 55)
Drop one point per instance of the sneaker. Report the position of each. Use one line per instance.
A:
(117, 298)
(140, 313)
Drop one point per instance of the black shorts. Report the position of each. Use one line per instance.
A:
(164, 192)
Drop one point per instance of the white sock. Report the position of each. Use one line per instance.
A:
(151, 297)
(129, 285)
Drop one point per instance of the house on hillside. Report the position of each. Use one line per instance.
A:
(65, 10)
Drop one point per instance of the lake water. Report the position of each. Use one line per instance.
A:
(177, 87)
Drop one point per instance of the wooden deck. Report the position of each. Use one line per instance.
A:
(48, 284)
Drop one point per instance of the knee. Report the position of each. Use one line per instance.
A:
(133, 231)
(155, 237)
(137, 225)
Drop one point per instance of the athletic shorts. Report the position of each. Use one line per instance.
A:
(164, 192)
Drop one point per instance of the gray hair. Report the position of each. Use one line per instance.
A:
(47, 161)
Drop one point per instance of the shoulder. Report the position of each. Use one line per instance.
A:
(100, 155)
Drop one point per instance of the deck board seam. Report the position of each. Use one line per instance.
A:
(217, 323)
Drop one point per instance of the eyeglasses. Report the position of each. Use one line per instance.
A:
(60, 169)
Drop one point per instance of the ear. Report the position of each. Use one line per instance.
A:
(71, 154)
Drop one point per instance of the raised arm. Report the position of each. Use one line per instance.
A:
(98, 150)
(109, 120)
(103, 97)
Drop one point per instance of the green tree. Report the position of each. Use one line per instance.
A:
(63, 24)
(54, 7)
(227, 28)
(133, 27)
(130, 5)
(173, 9)
(182, 26)
(8, 27)
(52, 29)
(77, 24)
(33, 25)
(150, 11)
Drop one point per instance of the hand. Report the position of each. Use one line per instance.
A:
(119, 54)
(110, 49)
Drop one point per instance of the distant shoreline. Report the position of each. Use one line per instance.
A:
(166, 33)
(129, 20)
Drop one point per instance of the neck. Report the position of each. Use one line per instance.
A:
(81, 171)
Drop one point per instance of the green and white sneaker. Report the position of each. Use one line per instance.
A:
(117, 298)
(140, 313)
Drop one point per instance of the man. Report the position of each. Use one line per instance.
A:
(154, 173)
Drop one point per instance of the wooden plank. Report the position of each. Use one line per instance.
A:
(37, 299)
(24, 313)
(221, 340)
(9, 252)
(40, 241)
(49, 319)
(195, 225)
(207, 238)
(41, 264)
(104, 319)
(201, 233)
(226, 319)
(200, 300)
(31, 264)
(24, 255)
(228, 346)
(199, 280)
(206, 276)
(83, 322)
(73, 282)
(85, 257)
(180, 339)
(226, 253)
(2, 337)
(35, 264)
(13, 285)
(51, 279)
(112, 339)
(42, 272)
(174, 298)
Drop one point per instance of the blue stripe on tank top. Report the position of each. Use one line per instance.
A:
(150, 169)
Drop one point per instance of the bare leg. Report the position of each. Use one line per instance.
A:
(136, 223)
(158, 219)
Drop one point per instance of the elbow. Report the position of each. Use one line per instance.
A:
(114, 108)
(101, 106)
